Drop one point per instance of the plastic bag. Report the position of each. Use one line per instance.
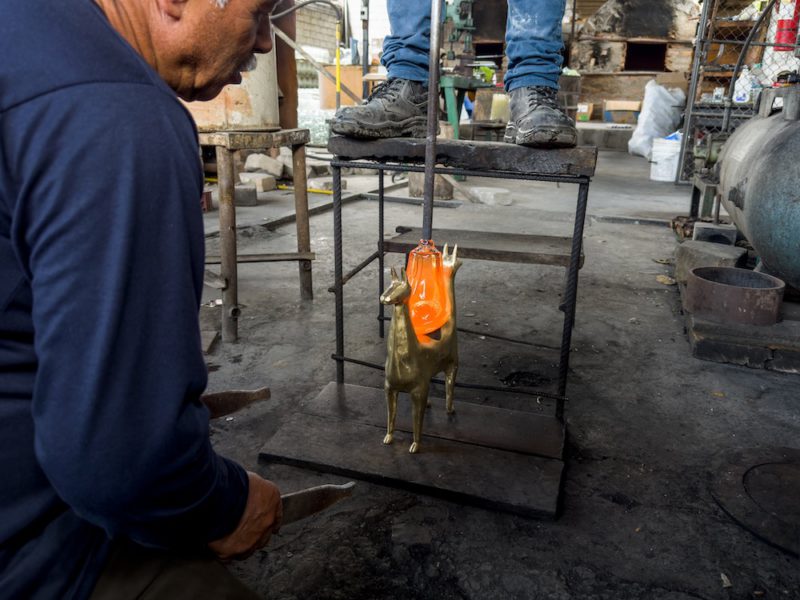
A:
(660, 116)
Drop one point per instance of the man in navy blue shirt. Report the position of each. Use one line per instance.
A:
(106, 469)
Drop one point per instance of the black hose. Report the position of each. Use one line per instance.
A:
(726, 122)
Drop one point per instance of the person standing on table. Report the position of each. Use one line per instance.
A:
(398, 108)
(110, 488)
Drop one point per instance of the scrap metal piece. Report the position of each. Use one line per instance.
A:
(732, 295)
(302, 504)
(222, 404)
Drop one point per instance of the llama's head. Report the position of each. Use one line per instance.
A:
(399, 289)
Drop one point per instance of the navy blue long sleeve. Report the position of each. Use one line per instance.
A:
(101, 259)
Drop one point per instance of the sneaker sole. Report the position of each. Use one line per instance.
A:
(415, 127)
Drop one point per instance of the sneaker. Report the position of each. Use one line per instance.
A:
(537, 120)
(397, 108)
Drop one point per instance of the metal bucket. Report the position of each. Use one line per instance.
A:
(731, 295)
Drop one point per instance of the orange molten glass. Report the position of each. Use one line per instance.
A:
(429, 303)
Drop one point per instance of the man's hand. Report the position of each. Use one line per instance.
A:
(261, 518)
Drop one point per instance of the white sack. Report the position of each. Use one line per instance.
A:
(660, 116)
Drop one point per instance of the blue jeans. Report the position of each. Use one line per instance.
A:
(533, 41)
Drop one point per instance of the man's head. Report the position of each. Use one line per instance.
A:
(197, 46)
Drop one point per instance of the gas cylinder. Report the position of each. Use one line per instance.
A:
(760, 187)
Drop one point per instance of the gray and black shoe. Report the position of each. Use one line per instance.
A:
(397, 108)
(537, 120)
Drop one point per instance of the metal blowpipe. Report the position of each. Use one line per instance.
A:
(433, 118)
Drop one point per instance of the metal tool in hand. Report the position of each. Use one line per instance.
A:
(302, 504)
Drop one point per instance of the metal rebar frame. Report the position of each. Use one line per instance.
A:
(568, 305)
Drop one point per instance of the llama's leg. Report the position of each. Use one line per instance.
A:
(419, 401)
(450, 387)
(391, 413)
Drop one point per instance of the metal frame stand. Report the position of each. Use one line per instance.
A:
(568, 306)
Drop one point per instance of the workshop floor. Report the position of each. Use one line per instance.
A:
(645, 420)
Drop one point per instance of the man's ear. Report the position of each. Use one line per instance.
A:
(173, 8)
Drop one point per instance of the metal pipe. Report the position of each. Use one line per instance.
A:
(227, 233)
(381, 255)
(317, 66)
(301, 210)
(338, 64)
(572, 33)
(365, 46)
(433, 117)
(337, 270)
(406, 168)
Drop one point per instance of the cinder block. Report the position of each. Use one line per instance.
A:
(717, 233)
(691, 254)
(262, 162)
(442, 189)
(246, 195)
(263, 182)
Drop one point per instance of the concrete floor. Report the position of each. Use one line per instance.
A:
(646, 421)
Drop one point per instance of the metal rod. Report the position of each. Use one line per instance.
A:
(466, 386)
(356, 270)
(301, 210)
(381, 255)
(433, 118)
(405, 168)
(263, 258)
(571, 294)
(337, 270)
(501, 338)
(319, 68)
(227, 233)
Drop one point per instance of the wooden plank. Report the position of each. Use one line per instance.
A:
(486, 245)
(495, 479)
(255, 140)
(473, 155)
(528, 432)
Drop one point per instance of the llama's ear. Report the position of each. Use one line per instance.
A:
(394, 274)
(403, 274)
(444, 251)
(455, 252)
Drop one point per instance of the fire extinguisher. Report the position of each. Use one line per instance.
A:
(787, 16)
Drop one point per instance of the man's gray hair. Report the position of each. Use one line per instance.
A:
(220, 3)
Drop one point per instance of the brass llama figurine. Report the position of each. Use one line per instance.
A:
(411, 363)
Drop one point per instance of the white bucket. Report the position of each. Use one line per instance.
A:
(664, 161)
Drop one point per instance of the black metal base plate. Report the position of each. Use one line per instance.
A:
(771, 347)
(495, 458)
(759, 490)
